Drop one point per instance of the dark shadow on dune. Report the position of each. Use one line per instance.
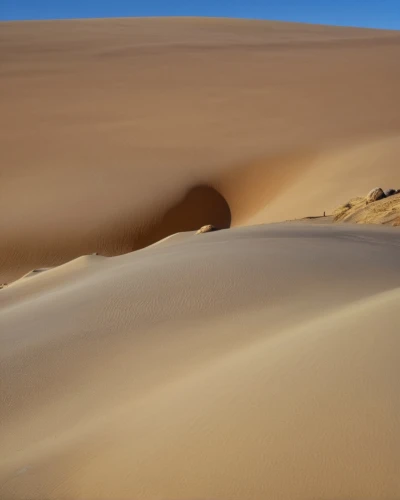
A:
(201, 205)
(198, 206)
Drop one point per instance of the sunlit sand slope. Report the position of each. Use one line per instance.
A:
(116, 133)
(239, 364)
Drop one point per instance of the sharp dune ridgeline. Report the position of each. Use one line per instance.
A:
(257, 358)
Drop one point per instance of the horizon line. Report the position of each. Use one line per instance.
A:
(253, 19)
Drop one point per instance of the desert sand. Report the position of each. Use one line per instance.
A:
(385, 211)
(117, 133)
(257, 361)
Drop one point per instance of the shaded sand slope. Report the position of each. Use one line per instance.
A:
(108, 125)
(235, 364)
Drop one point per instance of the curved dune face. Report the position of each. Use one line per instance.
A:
(221, 365)
(107, 125)
(246, 363)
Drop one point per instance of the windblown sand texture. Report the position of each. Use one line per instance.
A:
(117, 133)
(260, 361)
(356, 210)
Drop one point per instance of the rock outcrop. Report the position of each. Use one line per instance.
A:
(207, 229)
(391, 192)
(373, 209)
(375, 195)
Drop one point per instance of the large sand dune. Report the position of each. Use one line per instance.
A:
(107, 125)
(247, 363)
(259, 361)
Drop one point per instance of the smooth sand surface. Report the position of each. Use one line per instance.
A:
(117, 133)
(260, 361)
(246, 363)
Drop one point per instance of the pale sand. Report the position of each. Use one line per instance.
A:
(248, 363)
(111, 130)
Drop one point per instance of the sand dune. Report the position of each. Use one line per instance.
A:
(112, 123)
(224, 365)
(257, 361)
(385, 211)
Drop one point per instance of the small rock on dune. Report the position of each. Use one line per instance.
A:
(390, 192)
(375, 195)
(206, 229)
(385, 210)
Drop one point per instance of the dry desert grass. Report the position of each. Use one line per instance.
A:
(357, 210)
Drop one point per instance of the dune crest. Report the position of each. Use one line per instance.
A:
(140, 360)
(254, 357)
(359, 210)
(124, 117)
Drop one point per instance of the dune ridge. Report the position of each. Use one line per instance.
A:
(385, 211)
(257, 361)
(120, 119)
(246, 349)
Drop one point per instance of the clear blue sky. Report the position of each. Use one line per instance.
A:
(371, 13)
